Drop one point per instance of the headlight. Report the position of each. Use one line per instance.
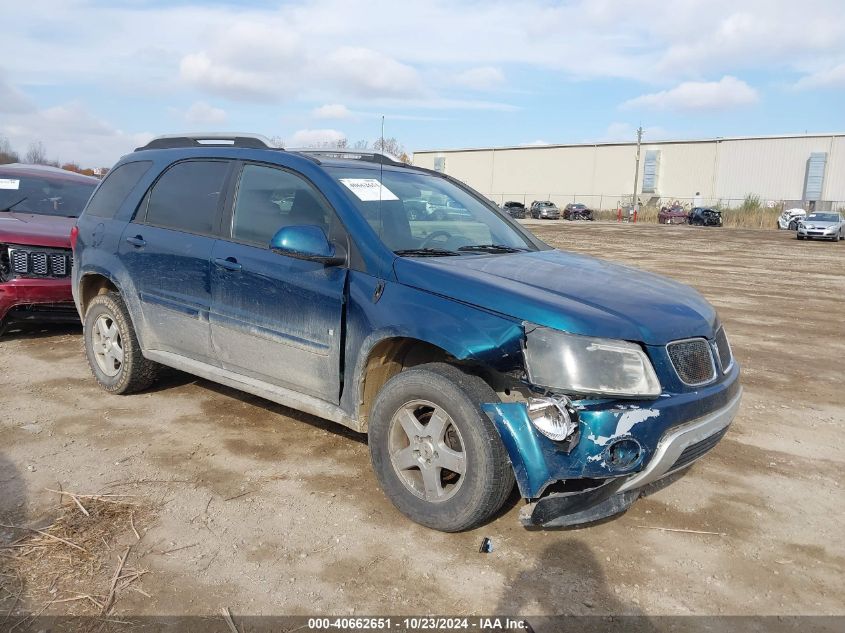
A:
(582, 364)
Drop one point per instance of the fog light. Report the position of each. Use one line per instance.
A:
(623, 454)
(552, 418)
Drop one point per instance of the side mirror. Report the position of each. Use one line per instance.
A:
(305, 242)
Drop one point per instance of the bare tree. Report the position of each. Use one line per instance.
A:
(36, 154)
(360, 145)
(389, 145)
(7, 153)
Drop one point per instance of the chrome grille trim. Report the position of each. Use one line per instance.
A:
(34, 261)
(723, 350)
(693, 361)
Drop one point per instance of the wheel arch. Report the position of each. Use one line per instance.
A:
(92, 284)
(387, 357)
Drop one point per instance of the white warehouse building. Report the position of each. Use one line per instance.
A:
(797, 170)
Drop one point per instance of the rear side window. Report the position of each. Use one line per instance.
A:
(115, 188)
(187, 196)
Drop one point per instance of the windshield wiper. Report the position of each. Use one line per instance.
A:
(425, 252)
(14, 204)
(493, 248)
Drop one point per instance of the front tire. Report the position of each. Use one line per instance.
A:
(112, 348)
(436, 454)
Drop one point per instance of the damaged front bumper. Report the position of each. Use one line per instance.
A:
(670, 432)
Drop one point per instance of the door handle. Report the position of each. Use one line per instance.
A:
(137, 241)
(230, 263)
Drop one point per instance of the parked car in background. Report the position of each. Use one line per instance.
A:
(673, 214)
(826, 226)
(38, 207)
(544, 210)
(419, 209)
(514, 209)
(705, 216)
(789, 219)
(577, 211)
(465, 351)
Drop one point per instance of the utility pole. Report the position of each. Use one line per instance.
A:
(637, 170)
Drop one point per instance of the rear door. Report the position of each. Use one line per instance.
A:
(166, 250)
(276, 318)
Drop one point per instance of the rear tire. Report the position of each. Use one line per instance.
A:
(112, 348)
(429, 416)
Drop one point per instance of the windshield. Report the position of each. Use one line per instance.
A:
(420, 214)
(823, 217)
(43, 196)
(577, 205)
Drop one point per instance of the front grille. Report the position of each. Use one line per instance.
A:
(694, 451)
(723, 350)
(32, 261)
(693, 361)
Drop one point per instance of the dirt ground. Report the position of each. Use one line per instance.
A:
(268, 511)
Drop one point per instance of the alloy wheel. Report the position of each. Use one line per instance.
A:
(107, 345)
(427, 451)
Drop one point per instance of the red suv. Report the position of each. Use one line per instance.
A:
(38, 208)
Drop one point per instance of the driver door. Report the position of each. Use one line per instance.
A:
(276, 318)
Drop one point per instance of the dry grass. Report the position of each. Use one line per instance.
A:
(77, 565)
(746, 216)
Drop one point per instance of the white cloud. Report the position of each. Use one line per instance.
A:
(537, 143)
(830, 77)
(201, 112)
(332, 111)
(481, 78)
(12, 100)
(315, 138)
(368, 73)
(725, 94)
(70, 133)
(222, 79)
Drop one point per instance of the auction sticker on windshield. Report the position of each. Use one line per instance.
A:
(9, 183)
(368, 189)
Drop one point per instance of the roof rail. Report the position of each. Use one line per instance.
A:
(214, 139)
(370, 156)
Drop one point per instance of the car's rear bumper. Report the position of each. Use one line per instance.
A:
(24, 299)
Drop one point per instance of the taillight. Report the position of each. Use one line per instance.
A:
(74, 234)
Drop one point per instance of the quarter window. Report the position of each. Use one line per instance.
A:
(187, 196)
(269, 199)
(114, 189)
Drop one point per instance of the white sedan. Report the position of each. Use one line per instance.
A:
(827, 226)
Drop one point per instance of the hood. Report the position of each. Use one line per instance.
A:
(569, 292)
(819, 224)
(35, 230)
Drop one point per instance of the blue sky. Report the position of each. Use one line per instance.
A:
(92, 80)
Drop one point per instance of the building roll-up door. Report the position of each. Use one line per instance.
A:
(651, 167)
(814, 181)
